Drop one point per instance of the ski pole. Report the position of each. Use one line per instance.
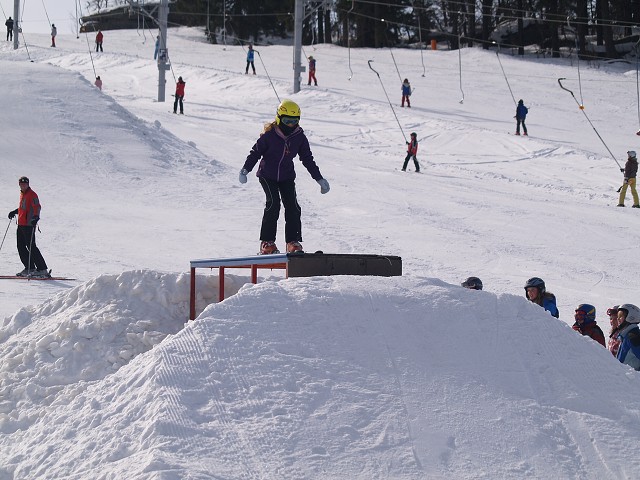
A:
(5, 233)
(33, 231)
(581, 107)
(390, 104)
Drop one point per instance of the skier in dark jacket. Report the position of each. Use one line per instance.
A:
(630, 171)
(28, 213)
(9, 25)
(179, 96)
(585, 317)
(281, 141)
(412, 150)
(521, 115)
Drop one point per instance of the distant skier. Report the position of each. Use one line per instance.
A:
(28, 212)
(585, 323)
(536, 292)
(9, 25)
(179, 96)
(281, 141)
(250, 53)
(312, 71)
(521, 115)
(412, 150)
(54, 32)
(406, 92)
(629, 335)
(155, 52)
(630, 171)
(99, 38)
(98, 82)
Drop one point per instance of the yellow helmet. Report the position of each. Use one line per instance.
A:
(287, 108)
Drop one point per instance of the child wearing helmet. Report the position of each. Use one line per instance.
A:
(412, 150)
(630, 171)
(312, 71)
(585, 317)
(472, 283)
(406, 92)
(281, 141)
(521, 116)
(614, 342)
(629, 335)
(536, 292)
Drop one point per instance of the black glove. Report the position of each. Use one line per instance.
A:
(13, 213)
(622, 170)
(34, 221)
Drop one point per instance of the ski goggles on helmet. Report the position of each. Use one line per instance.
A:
(289, 121)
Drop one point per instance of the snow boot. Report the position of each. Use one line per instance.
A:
(268, 248)
(294, 247)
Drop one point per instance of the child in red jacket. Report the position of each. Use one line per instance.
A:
(412, 150)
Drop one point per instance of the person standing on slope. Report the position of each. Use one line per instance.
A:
(630, 171)
(536, 292)
(281, 141)
(99, 38)
(54, 32)
(629, 335)
(312, 71)
(585, 317)
(179, 96)
(521, 115)
(406, 92)
(28, 212)
(412, 150)
(9, 25)
(250, 60)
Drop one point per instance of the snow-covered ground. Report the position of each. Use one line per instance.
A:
(328, 377)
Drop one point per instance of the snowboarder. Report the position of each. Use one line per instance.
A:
(99, 38)
(536, 292)
(472, 283)
(630, 170)
(629, 335)
(521, 115)
(9, 25)
(312, 71)
(585, 317)
(412, 150)
(250, 60)
(98, 82)
(179, 96)
(54, 32)
(28, 212)
(614, 342)
(406, 92)
(276, 148)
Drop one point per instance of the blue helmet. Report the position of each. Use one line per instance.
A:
(535, 282)
(589, 312)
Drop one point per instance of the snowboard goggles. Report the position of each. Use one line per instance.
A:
(289, 121)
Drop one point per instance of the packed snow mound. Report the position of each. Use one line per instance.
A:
(326, 377)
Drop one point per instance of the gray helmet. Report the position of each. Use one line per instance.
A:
(535, 282)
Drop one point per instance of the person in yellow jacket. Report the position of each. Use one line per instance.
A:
(630, 170)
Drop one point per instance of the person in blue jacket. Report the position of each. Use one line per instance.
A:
(406, 92)
(629, 335)
(282, 140)
(250, 53)
(536, 292)
(521, 115)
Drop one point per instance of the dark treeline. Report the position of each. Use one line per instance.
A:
(548, 24)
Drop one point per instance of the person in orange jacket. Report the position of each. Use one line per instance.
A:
(412, 150)
(28, 213)
(99, 38)
(179, 96)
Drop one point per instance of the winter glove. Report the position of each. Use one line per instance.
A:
(13, 213)
(324, 185)
(243, 175)
(622, 170)
(626, 180)
(34, 221)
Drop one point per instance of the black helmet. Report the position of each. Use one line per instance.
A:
(414, 134)
(473, 283)
(535, 282)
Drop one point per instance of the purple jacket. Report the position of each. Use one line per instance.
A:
(276, 153)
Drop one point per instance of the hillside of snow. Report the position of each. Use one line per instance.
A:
(325, 377)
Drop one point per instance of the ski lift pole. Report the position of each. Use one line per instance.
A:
(424, 69)
(268, 76)
(460, 57)
(505, 75)
(581, 107)
(349, 37)
(390, 104)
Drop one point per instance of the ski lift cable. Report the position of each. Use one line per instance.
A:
(420, 40)
(45, 12)
(460, 56)
(390, 104)
(636, 47)
(353, 3)
(581, 107)
(86, 36)
(505, 75)
(575, 36)
(268, 76)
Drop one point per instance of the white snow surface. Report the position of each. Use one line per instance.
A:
(411, 377)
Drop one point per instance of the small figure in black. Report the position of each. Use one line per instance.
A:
(179, 96)
(9, 25)
(521, 115)
(412, 150)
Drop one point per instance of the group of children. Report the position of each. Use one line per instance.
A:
(624, 335)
